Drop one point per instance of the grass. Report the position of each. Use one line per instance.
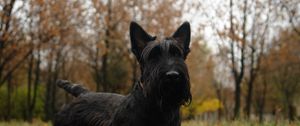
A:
(21, 123)
(238, 123)
(185, 123)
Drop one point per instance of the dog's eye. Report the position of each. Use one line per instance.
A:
(154, 53)
(174, 51)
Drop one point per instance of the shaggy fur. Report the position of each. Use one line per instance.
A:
(154, 101)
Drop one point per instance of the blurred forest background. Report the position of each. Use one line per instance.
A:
(244, 61)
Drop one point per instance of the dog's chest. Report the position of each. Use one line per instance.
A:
(137, 115)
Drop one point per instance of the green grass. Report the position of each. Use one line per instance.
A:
(21, 123)
(238, 123)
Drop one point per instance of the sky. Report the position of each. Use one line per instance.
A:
(213, 16)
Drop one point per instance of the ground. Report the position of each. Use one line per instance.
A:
(185, 123)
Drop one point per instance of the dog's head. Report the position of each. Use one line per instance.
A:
(165, 75)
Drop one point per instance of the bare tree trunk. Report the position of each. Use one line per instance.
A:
(249, 99)
(234, 72)
(289, 108)
(220, 112)
(55, 75)
(97, 74)
(262, 102)
(29, 83)
(291, 112)
(8, 101)
(237, 99)
(237, 74)
(48, 93)
(250, 84)
(104, 67)
(35, 87)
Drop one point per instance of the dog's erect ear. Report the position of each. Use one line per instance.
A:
(183, 36)
(139, 39)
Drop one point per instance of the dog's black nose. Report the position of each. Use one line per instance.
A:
(172, 75)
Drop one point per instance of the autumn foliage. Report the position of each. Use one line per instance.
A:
(244, 60)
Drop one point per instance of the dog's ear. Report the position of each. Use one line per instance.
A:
(139, 39)
(183, 36)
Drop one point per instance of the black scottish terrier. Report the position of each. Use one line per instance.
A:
(154, 101)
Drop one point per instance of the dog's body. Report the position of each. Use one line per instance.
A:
(154, 101)
(99, 109)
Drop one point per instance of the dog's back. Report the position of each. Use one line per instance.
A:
(89, 108)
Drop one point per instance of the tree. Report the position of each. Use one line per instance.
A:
(13, 49)
(259, 33)
(291, 7)
(242, 41)
(52, 32)
(285, 69)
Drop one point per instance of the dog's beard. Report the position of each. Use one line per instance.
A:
(168, 94)
(175, 93)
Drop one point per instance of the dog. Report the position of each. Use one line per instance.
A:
(155, 99)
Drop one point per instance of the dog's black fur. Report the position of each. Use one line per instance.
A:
(154, 101)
